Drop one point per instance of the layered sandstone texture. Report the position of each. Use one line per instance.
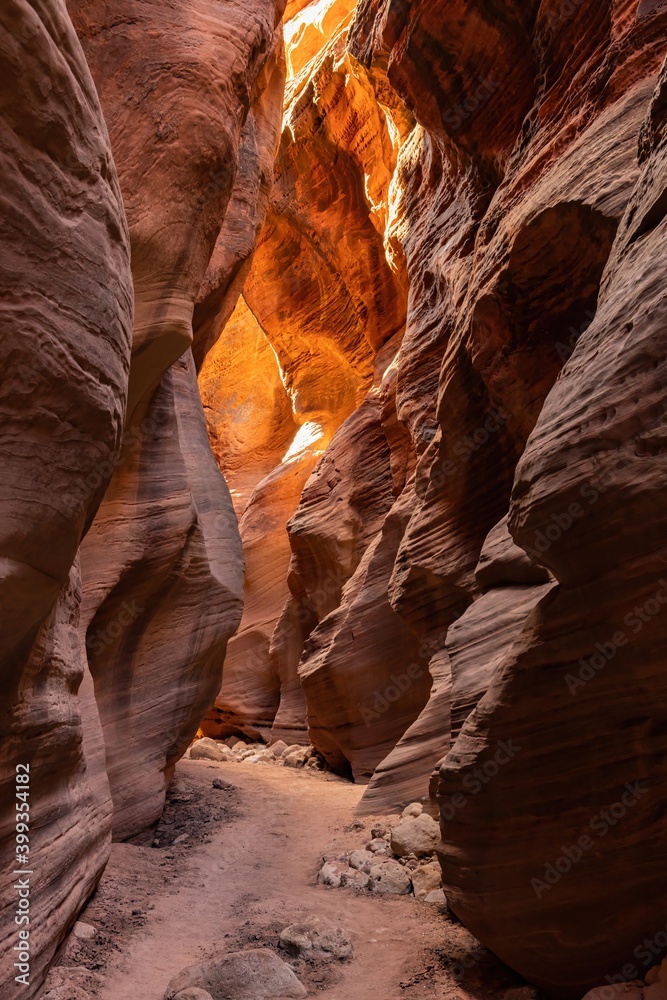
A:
(193, 119)
(326, 291)
(122, 569)
(535, 546)
(470, 469)
(66, 295)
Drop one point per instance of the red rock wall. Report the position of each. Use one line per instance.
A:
(122, 565)
(489, 512)
(163, 566)
(66, 295)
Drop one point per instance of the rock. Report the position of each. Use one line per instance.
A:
(262, 757)
(297, 758)
(84, 931)
(183, 837)
(278, 748)
(207, 749)
(428, 878)
(67, 993)
(412, 811)
(316, 936)
(176, 545)
(631, 990)
(653, 975)
(331, 873)
(362, 859)
(379, 831)
(353, 879)
(354, 827)
(390, 877)
(417, 836)
(436, 897)
(378, 846)
(66, 292)
(193, 993)
(294, 748)
(226, 786)
(245, 975)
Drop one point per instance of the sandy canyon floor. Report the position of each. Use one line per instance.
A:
(232, 867)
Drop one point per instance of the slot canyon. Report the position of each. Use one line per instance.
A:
(333, 578)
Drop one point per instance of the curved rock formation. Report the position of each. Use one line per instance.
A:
(67, 314)
(162, 566)
(327, 288)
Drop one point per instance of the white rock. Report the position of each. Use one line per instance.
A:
(183, 836)
(436, 897)
(362, 860)
(390, 877)
(67, 993)
(378, 846)
(632, 990)
(412, 811)
(255, 974)
(316, 936)
(426, 879)
(208, 749)
(415, 836)
(331, 873)
(353, 879)
(85, 932)
(291, 749)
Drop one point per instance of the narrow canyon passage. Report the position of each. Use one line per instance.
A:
(255, 874)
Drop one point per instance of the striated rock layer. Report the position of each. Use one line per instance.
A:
(472, 586)
(122, 570)
(327, 287)
(193, 123)
(66, 295)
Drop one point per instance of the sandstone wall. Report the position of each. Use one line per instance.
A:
(66, 296)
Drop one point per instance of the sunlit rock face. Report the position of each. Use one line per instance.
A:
(479, 516)
(325, 292)
(550, 176)
(66, 294)
(193, 119)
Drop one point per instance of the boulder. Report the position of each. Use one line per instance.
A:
(427, 879)
(331, 873)
(257, 974)
(412, 811)
(390, 877)
(362, 860)
(208, 749)
(316, 936)
(632, 990)
(84, 931)
(377, 846)
(417, 836)
(354, 879)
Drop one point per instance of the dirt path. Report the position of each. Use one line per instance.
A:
(158, 911)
